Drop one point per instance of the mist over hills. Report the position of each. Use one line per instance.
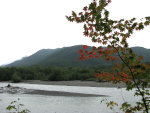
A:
(68, 57)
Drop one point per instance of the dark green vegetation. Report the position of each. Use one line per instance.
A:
(68, 57)
(52, 73)
(17, 74)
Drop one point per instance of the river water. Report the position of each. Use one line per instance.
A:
(64, 104)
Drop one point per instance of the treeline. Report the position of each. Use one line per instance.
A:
(17, 74)
(50, 74)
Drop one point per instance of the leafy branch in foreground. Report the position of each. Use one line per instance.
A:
(114, 34)
(16, 107)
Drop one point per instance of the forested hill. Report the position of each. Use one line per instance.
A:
(33, 59)
(68, 57)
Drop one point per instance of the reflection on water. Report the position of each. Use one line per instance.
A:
(62, 104)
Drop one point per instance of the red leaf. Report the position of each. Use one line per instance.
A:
(94, 53)
(120, 73)
(90, 52)
(113, 78)
(115, 58)
(86, 51)
(85, 47)
(124, 75)
(93, 48)
(97, 56)
(80, 51)
(132, 70)
(90, 56)
(83, 58)
(101, 50)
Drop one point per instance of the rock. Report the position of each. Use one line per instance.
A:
(13, 90)
(8, 86)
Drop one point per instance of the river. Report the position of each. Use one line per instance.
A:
(66, 104)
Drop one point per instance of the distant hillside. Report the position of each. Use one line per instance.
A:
(143, 52)
(33, 59)
(68, 57)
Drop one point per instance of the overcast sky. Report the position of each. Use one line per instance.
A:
(27, 26)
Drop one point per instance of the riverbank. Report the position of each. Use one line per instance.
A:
(59, 83)
(76, 83)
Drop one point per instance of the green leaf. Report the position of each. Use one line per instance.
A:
(82, 18)
(94, 39)
(10, 107)
(92, 6)
(106, 13)
(141, 26)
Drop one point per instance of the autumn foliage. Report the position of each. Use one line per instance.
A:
(128, 67)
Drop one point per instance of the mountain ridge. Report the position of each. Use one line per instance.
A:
(68, 57)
